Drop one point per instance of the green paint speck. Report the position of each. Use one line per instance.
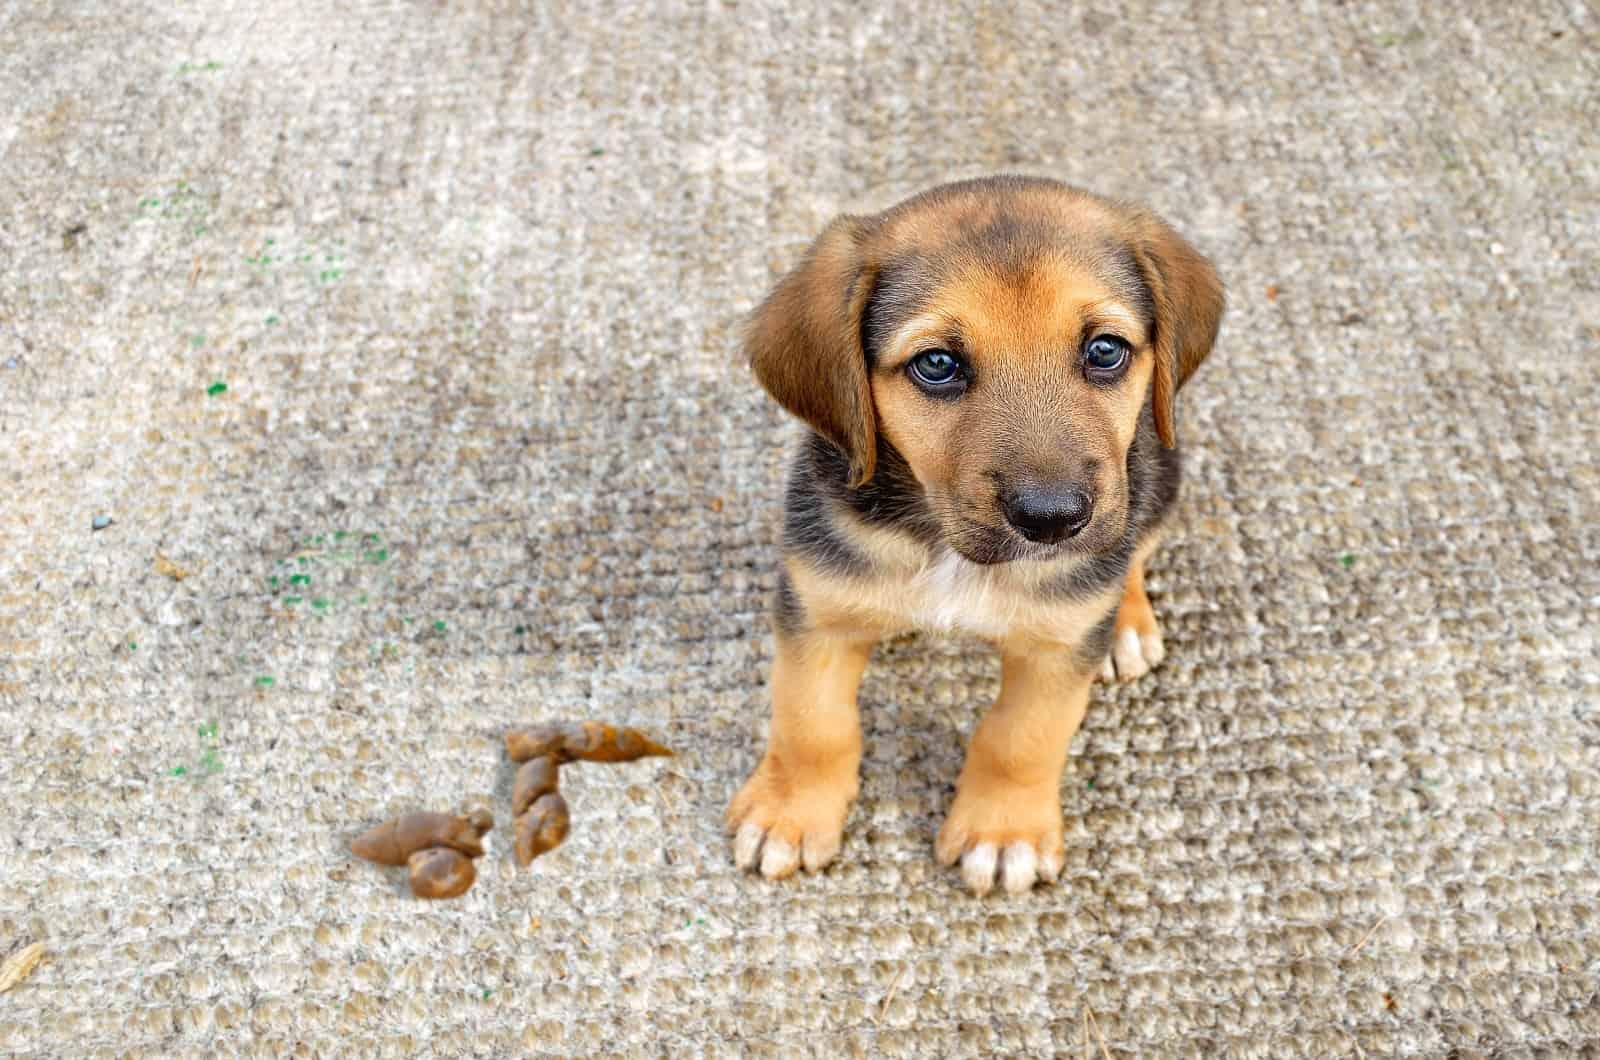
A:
(179, 771)
(520, 630)
(265, 681)
(361, 599)
(377, 555)
(133, 646)
(211, 762)
(320, 604)
(272, 581)
(487, 993)
(1347, 561)
(438, 626)
(197, 341)
(339, 535)
(216, 388)
(1090, 785)
(291, 600)
(273, 318)
(299, 579)
(208, 731)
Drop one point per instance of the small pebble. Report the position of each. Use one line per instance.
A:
(100, 522)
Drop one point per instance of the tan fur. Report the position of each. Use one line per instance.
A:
(1009, 789)
(1019, 319)
(1189, 297)
(1019, 334)
(804, 345)
(801, 791)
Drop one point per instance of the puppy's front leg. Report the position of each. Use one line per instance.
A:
(791, 811)
(1005, 822)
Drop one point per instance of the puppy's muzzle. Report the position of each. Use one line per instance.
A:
(1047, 513)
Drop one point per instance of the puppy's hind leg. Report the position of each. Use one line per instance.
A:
(1136, 646)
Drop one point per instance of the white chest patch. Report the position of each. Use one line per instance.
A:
(957, 594)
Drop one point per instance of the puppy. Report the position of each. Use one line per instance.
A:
(989, 372)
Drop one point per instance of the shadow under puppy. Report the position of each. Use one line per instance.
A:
(989, 371)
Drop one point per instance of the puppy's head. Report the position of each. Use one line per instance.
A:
(1003, 336)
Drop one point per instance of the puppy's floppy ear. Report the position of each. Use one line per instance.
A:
(805, 345)
(1188, 308)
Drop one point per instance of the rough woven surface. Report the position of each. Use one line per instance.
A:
(471, 276)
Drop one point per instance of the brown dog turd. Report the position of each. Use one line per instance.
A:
(440, 872)
(588, 741)
(542, 828)
(988, 373)
(394, 841)
(535, 777)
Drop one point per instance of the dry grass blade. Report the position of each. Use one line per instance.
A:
(1382, 920)
(883, 1009)
(1097, 1035)
(20, 965)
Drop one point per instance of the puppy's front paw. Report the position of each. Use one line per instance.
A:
(1003, 833)
(781, 822)
(1136, 646)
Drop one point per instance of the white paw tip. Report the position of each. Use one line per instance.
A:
(977, 868)
(747, 845)
(1108, 670)
(1050, 867)
(817, 852)
(779, 858)
(1129, 655)
(1019, 867)
(1154, 649)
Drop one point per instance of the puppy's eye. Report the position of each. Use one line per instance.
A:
(938, 372)
(1104, 356)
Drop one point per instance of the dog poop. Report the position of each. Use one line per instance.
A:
(542, 828)
(585, 741)
(542, 817)
(536, 777)
(437, 849)
(394, 841)
(440, 872)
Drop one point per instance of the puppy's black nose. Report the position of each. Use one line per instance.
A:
(1047, 514)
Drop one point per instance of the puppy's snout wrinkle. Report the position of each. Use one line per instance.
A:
(1047, 512)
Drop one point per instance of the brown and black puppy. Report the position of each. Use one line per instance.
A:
(989, 372)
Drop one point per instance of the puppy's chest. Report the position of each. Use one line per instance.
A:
(957, 595)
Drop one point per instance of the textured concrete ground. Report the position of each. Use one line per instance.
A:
(470, 276)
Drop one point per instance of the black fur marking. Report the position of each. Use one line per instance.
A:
(904, 287)
(1093, 575)
(1092, 650)
(1132, 283)
(788, 612)
(809, 528)
(892, 498)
